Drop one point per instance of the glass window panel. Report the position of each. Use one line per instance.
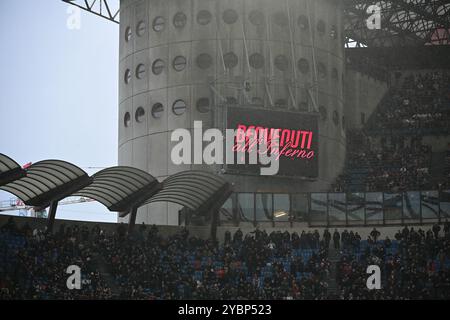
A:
(282, 207)
(226, 212)
(264, 208)
(158, 24)
(318, 213)
(140, 115)
(140, 71)
(300, 206)
(158, 66)
(157, 110)
(393, 206)
(204, 17)
(246, 207)
(179, 20)
(141, 28)
(179, 107)
(411, 205)
(336, 208)
(374, 207)
(127, 120)
(355, 207)
(445, 204)
(127, 77)
(179, 63)
(430, 204)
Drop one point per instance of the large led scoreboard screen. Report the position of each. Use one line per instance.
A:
(298, 135)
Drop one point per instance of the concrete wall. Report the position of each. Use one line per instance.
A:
(202, 31)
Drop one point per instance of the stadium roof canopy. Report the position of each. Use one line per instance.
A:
(403, 22)
(120, 189)
(190, 189)
(47, 181)
(9, 170)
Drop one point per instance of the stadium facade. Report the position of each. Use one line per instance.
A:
(202, 60)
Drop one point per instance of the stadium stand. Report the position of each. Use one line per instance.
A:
(279, 265)
(388, 153)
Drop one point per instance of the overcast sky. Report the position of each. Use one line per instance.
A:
(58, 91)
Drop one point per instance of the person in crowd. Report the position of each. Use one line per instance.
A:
(375, 234)
(327, 237)
(436, 229)
(336, 239)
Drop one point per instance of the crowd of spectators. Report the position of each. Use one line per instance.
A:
(36, 269)
(416, 265)
(419, 104)
(388, 153)
(145, 265)
(255, 266)
(279, 265)
(387, 164)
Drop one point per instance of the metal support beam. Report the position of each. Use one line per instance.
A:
(214, 208)
(132, 221)
(107, 9)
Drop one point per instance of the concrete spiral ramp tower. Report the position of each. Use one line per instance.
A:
(182, 60)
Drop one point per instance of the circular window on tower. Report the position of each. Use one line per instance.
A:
(323, 113)
(140, 71)
(140, 115)
(159, 24)
(179, 63)
(204, 61)
(127, 76)
(281, 62)
(322, 70)
(204, 17)
(158, 66)
(203, 105)
(179, 107)
(128, 34)
(303, 22)
(335, 118)
(321, 27)
(230, 16)
(303, 65)
(179, 20)
(127, 120)
(231, 60)
(256, 61)
(280, 19)
(141, 28)
(157, 110)
(256, 18)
